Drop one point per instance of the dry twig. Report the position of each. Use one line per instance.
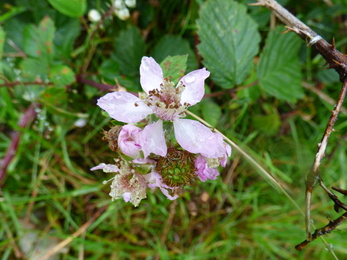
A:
(337, 61)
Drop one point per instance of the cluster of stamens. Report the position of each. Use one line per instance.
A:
(166, 101)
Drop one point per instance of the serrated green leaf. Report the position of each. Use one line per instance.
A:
(72, 8)
(109, 69)
(129, 49)
(68, 30)
(229, 41)
(109, 73)
(174, 67)
(34, 69)
(61, 75)
(211, 111)
(171, 45)
(14, 34)
(38, 41)
(279, 68)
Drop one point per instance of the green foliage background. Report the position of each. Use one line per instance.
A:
(259, 95)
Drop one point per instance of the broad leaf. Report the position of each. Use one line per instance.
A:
(68, 30)
(229, 41)
(211, 111)
(61, 75)
(34, 70)
(174, 67)
(279, 68)
(129, 49)
(171, 45)
(72, 8)
(38, 41)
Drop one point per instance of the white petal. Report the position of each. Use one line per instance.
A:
(197, 138)
(152, 139)
(151, 75)
(124, 107)
(194, 82)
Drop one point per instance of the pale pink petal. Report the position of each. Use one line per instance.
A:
(128, 140)
(194, 86)
(152, 139)
(151, 75)
(124, 107)
(166, 193)
(226, 155)
(106, 167)
(197, 138)
(126, 196)
(144, 161)
(155, 181)
(203, 171)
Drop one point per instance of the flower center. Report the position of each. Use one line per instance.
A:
(177, 168)
(165, 101)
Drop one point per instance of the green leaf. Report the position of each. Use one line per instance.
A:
(229, 41)
(2, 43)
(61, 75)
(279, 67)
(34, 69)
(174, 67)
(171, 45)
(211, 111)
(38, 41)
(14, 34)
(68, 30)
(129, 49)
(72, 8)
(109, 73)
(268, 124)
(109, 69)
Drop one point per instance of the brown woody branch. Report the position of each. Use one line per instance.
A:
(323, 231)
(337, 61)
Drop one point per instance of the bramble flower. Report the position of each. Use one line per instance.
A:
(126, 184)
(142, 144)
(168, 103)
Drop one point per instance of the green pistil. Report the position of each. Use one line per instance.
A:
(177, 168)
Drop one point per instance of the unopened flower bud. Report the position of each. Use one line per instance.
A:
(94, 15)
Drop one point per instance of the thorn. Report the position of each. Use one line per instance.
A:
(286, 31)
(338, 63)
(333, 43)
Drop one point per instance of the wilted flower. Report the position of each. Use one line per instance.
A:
(126, 184)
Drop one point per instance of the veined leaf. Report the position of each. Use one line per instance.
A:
(229, 41)
(279, 69)
(38, 41)
(129, 49)
(174, 67)
(174, 45)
